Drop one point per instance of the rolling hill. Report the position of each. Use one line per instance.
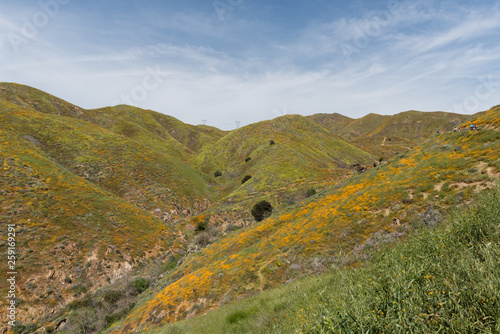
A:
(128, 219)
(89, 203)
(337, 227)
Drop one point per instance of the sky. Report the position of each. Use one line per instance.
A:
(229, 63)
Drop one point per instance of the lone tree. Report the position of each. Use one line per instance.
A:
(262, 210)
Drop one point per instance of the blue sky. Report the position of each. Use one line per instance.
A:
(227, 61)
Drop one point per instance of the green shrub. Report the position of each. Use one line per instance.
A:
(310, 192)
(140, 284)
(262, 210)
(112, 296)
(246, 178)
(248, 159)
(271, 142)
(218, 173)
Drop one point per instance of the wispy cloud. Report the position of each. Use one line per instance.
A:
(416, 55)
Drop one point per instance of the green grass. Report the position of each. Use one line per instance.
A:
(442, 280)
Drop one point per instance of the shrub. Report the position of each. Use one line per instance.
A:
(271, 142)
(68, 280)
(218, 173)
(310, 192)
(246, 178)
(248, 159)
(201, 226)
(262, 210)
(140, 284)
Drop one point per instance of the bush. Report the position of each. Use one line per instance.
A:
(248, 159)
(246, 178)
(140, 284)
(262, 210)
(68, 280)
(201, 226)
(310, 192)
(19, 328)
(218, 173)
(271, 142)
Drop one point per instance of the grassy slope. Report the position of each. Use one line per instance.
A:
(160, 132)
(305, 156)
(387, 136)
(443, 280)
(335, 123)
(74, 188)
(335, 227)
(303, 151)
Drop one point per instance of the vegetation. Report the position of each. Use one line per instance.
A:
(262, 210)
(246, 178)
(445, 279)
(121, 226)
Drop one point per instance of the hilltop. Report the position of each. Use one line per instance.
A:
(131, 219)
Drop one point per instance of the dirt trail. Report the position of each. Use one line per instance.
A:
(383, 143)
(439, 186)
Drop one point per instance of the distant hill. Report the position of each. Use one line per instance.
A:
(302, 150)
(386, 136)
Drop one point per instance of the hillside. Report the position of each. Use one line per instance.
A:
(160, 132)
(89, 204)
(340, 226)
(302, 154)
(303, 159)
(128, 219)
(387, 136)
(443, 279)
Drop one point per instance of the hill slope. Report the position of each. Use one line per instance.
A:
(387, 136)
(302, 150)
(163, 133)
(436, 281)
(335, 227)
(89, 204)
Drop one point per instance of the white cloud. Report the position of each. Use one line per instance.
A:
(407, 65)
